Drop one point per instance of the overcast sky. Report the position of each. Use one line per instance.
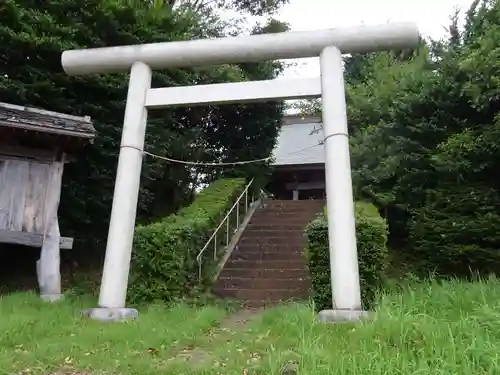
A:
(432, 17)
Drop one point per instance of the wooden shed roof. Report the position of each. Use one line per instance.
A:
(38, 120)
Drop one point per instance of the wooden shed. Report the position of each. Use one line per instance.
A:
(34, 146)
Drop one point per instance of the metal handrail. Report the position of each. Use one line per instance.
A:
(225, 220)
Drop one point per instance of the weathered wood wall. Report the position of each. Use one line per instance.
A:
(24, 185)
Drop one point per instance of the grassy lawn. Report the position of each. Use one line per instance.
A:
(452, 328)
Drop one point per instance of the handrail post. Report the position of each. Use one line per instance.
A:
(215, 246)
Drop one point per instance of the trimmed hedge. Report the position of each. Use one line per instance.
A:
(164, 263)
(371, 230)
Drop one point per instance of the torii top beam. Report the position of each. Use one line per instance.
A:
(286, 45)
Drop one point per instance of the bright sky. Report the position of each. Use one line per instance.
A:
(432, 17)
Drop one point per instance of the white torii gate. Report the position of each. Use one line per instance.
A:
(141, 59)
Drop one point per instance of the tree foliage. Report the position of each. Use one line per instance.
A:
(425, 142)
(33, 35)
(253, 7)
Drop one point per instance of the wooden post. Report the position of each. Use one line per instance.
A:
(48, 266)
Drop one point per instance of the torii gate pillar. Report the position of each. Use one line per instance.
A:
(141, 59)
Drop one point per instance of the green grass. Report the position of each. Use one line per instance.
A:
(41, 338)
(450, 328)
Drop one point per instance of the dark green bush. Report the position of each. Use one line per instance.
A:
(371, 233)
(164, 263)
(457, 232)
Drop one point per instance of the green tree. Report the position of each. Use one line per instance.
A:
(253, 7)
(424, 143)
(456, 231)
(33, 36)
(424, 146)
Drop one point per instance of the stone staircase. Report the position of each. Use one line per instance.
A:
(268, 266)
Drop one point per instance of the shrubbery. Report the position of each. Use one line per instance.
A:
(164, 258)
(457, 232)
(371, 230)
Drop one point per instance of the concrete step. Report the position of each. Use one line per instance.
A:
(266, 264)
(262, 294)
(295, 234)
(269, 248)
(265, 273)
(270, 241)
(287, 217)
(299, 214)
(276, 225)
(262, 284)
(291, 204)
(265, 256)
(259, 304)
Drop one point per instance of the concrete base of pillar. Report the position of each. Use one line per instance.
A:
(52, 297)
(111, 314)
(338, 316)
